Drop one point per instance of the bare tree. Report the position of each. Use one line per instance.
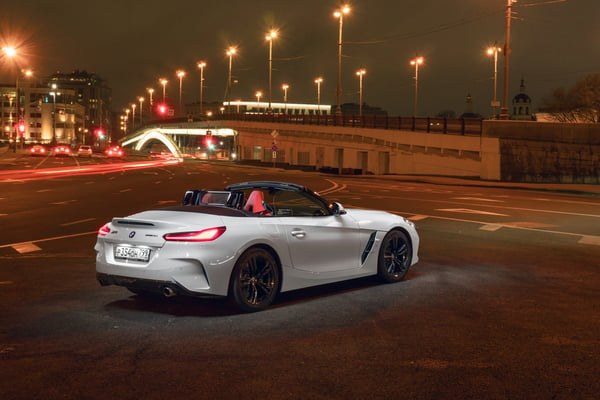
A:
(578, 104)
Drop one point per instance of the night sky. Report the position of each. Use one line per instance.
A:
(131, 44)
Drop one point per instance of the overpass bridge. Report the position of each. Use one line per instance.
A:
(519, 151)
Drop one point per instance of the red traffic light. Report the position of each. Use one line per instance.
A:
(162, 109)
(22, 127)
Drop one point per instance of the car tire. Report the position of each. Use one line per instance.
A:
(395, 255)
(255, 280)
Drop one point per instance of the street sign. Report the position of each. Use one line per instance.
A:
(274, 147)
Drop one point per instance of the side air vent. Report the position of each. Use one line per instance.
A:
(368, 247)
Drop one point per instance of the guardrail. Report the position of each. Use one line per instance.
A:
(455, 126)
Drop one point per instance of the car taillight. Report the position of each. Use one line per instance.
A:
(205, 235)
(104, 230)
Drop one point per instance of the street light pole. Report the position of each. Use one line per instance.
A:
(201, 65)
(164, 82)
(180, 75)
(258, 96)
(416, 62)
(318, 81)
(339, 14)
(507, 51)
(360, 73)
(132, 117)
(141, 100)
(230, 52)
(150, 93)
(285, 88)
(493, 51)
(270, 37)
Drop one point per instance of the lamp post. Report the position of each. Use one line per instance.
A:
(20, 116)
(285, 88)
(493, 51)
(339, 14)
(180, 75)
(150, 94)
(360, 73)
(132, 116)
(318, 81)
(54, 93)
(127, 111)
(270, 37)
(416, 62)
(201, 65)
(507, 51)
(258, 96)
(141, 100)
(230, 52)
(164, 82)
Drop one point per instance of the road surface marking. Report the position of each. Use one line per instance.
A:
(418, 217)
(78, 222)
(468, 211)
(6, 283)
(595, 240)
(125, 190)
(26, 247)
(478, 199)
(43, 190)
(60, 203)
(490, 227)
(48, 239)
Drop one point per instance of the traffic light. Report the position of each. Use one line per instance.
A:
(210, 144)
(162, 109)
(21, 128)
(99, 133)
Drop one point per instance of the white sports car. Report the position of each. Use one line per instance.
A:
(251, 241)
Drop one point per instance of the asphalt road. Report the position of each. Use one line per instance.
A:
(504, 304)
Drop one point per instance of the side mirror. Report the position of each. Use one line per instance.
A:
(338, 209)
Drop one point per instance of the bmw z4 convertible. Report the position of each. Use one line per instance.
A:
(250, 242)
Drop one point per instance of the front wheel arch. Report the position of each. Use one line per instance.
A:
(395, 255)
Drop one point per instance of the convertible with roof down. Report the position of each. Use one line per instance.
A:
(251, 241)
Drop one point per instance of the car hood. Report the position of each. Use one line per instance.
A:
(374, 219)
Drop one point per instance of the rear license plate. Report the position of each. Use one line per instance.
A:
(132, 253)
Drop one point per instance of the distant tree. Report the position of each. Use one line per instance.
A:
(578, 104)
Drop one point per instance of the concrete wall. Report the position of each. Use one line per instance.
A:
(547, 152)
(366, 151)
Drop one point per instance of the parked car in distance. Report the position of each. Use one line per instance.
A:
(84, 151)
(38, 150)
(114, 151)
(61, 150)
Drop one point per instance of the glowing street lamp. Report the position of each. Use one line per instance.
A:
(141, 100)
(339, 14)
(164, 82)
(150, 93)
(285, 88)
(54, 93)
(318, 81)
(201, 65)
(9, 51)
(258, 96)
(270, 37)
(360, 74)
(493, 51)
(180, 75)
(230, 52)
(416, 62)
(133, 116)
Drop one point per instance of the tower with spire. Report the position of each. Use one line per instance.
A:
(521, 105)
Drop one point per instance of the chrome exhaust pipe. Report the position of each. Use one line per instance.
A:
(168, 291)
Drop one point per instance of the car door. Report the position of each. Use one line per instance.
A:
(318, 242)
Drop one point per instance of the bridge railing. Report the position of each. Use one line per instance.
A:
(455, 126)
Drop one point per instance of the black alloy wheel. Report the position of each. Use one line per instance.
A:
(255, 280)
(395, 256)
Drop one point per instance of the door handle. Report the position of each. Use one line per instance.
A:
(298, 234)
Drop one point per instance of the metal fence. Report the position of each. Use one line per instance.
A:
(454, 126)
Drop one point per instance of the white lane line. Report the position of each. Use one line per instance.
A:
(48, 239)
(6, 282)
(26, 247)
(490, 227)
(469, 211)
(125, 190)
(478, 199)
(43, 190)
(418, 217)
(78, 222)
(594, 240)
(61, 203)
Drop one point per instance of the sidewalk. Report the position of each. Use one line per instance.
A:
(7, 155)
